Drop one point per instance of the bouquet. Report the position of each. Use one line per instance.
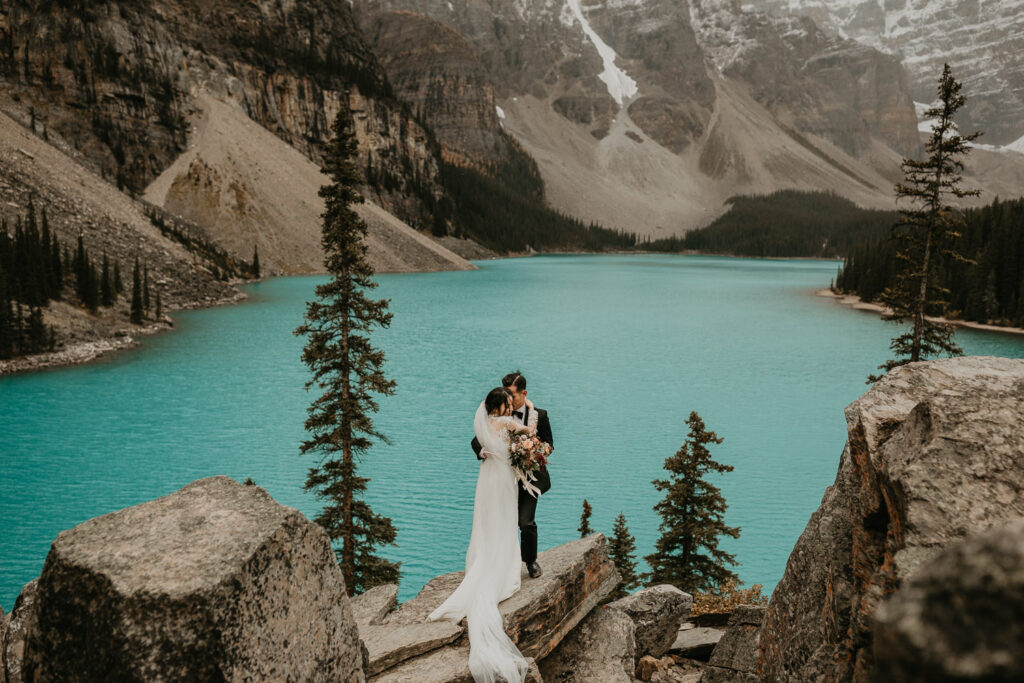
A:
(527, 454)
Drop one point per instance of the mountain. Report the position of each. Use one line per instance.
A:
(648, 114)
(982, 42)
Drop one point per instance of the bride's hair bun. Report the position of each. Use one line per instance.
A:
(498, 397)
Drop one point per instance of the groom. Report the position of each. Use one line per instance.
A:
(515, 384)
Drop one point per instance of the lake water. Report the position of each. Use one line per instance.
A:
(619, 349)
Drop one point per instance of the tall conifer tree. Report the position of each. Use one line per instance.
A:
(256, 261)
(692, 518)
(348, 370)
(145, 288)
(106, 284)
(927, 233)
(584, 527)
(622, 550)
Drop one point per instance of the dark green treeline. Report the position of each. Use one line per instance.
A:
(988, 290)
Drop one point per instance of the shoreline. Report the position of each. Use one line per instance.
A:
(855, 302)
(80, 353)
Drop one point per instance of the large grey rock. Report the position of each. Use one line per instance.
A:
(657, 613)
(373, 606)
(20, 623)
(602, 648)
(735, 656)
(389, 645)
(577, 576)
(215, 581)
(933, 455)
(696, 642)
(961, 617)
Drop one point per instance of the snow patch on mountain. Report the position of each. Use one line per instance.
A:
(1016, 146)
(620, 86)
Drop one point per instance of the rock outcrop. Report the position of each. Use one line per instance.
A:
(657, 612)
(933, 456)
(735, 655)
(20, 622)
(215, 581)
(601, 648)
(405, 647)
(959, 617)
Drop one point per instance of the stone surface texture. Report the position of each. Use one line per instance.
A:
(373, 606)
(697, 642)
(735, 655)
(933, 456)
(657, 613)
(577, 575)
(601, 648)
(215, 581)
(12, 644)
(960, 617)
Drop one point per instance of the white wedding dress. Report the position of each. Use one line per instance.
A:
(492, 561)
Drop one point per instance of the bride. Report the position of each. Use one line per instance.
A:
(492, 561)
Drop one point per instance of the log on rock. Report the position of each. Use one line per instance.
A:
(577, 576)
(657, 613)
(215, 581)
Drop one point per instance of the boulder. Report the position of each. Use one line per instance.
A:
(21, 622)
(735, 656)
(373, 606)
(933, 456)
(960, 617)
(389, 645)
(215, 581)
(696, 642)
(657, 613)
(577, 575)
(602, 648)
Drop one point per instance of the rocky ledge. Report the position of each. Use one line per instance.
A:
(934, 457)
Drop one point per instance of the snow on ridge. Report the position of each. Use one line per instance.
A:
(499, 111)
(1016, 146)
(620, 85)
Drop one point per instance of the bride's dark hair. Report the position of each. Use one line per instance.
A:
(498, 397)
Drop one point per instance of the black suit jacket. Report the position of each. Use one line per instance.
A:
(544, 432)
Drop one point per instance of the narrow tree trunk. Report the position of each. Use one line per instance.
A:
(348, 553)
(922, 298)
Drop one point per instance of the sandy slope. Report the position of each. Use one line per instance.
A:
(248, 187)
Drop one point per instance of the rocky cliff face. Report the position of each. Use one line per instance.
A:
(933, 457)
(116, 80)
(981, 41)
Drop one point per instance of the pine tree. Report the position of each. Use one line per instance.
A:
(136, 311)
(692, 518)
(622, 550)
(159, 306)
(106, 284)
(256, 261)
(118, 284)
(927, 232)
(349, 371)
(584, 527)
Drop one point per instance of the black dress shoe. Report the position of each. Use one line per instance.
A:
(534, 569)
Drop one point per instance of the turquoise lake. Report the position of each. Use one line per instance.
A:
(619, 349)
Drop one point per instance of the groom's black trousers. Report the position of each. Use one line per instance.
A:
(527, 527)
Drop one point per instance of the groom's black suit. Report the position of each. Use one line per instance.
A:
(527, 503)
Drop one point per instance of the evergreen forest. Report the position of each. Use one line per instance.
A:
(784, 224)
(988, 287)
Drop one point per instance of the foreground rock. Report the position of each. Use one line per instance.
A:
(12, 644)
(576, 577)
(735, 656)
(657, 613)
(216, 581)
(959, 618)
(601, 648)
(933, 456)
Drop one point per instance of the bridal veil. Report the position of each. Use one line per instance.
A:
(493, 564)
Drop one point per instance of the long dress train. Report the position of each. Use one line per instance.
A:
(492, 562)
